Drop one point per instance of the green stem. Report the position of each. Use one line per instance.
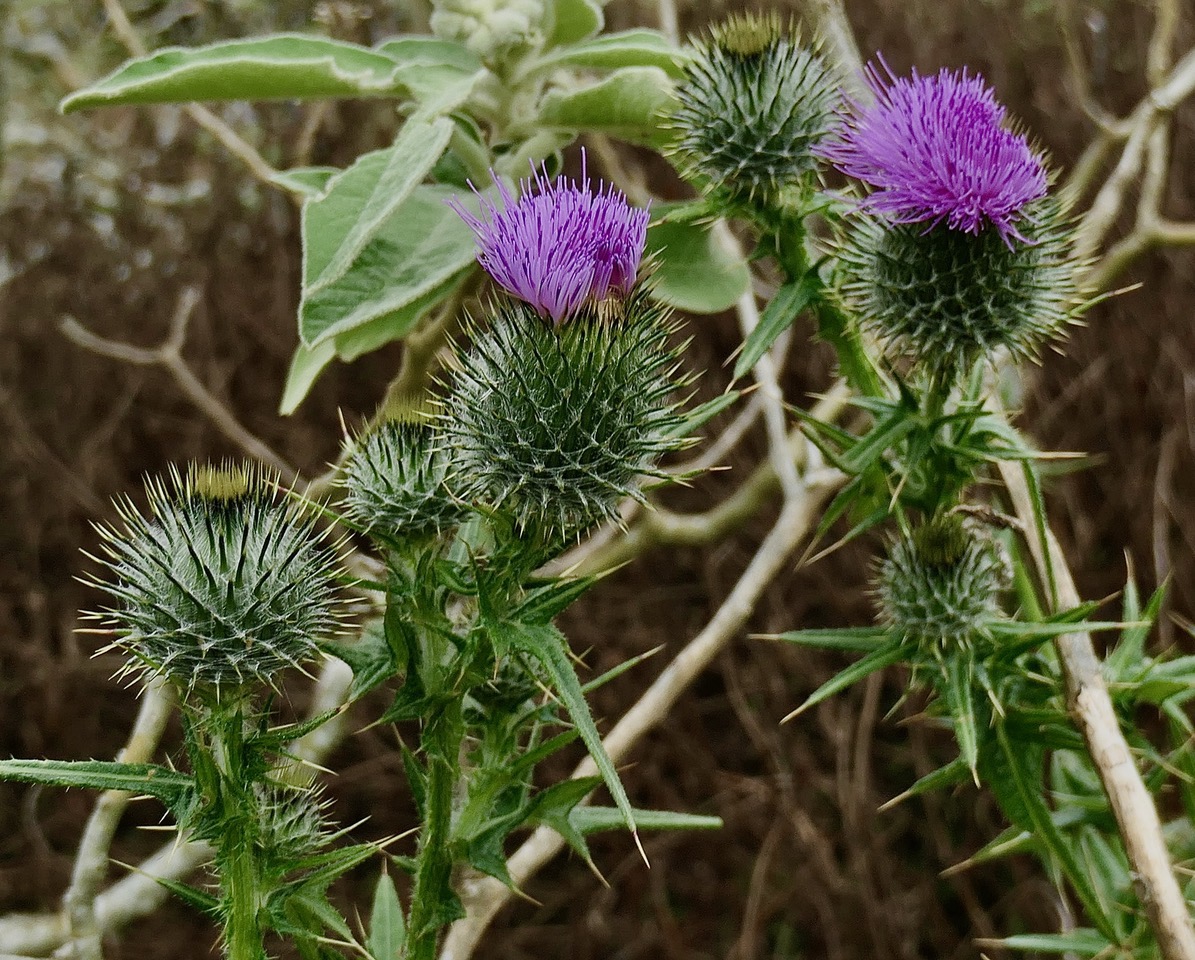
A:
(788, 243)
(433, 902)
(240, 876)
(242, 881)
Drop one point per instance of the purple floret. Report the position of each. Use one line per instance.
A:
(561, 245)
(935, 149)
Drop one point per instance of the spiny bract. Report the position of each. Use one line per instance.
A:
(223, 582)
(554, 425)
(753, 104)
(939, 586)
(394, 482)
(944, 298)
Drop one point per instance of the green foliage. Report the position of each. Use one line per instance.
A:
(695, 272)
(625, 105)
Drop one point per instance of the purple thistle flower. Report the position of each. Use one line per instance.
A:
(561, 245)
(935, 150)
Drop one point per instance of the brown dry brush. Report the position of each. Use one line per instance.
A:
(805, 866)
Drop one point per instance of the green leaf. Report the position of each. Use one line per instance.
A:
(628, 48)
(422, 247)
(879, 658)
(440, 74)
(305, 181)
(1083, 941)
(196, 899)
(547, 645)
(163, 784)
(587, 820)
(574, 21)
(339, 225)
(387, 929)
(696, 273)
(283, 66)
(1025, 781)
(700, 415)
(780, 313)
(950, 775)
(855, 639)
(554, 806)
(627, 105)
(371, 658)
(959, 693)
(309, 362)
(1130, 650)
(305, 367)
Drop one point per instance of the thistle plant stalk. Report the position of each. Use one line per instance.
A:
(432, 893)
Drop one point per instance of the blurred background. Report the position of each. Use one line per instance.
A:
(108, 217)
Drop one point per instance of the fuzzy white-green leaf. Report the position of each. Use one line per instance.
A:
(283, 66)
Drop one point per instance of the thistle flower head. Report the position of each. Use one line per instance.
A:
(221, 583)
(940, 584)
(935, 150)
(945, 298)
(560, 244)
(394, 481)
(554, 425)
(753, 103)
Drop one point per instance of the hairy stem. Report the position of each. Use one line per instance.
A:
(432, 897)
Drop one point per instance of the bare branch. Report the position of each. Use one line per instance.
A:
(91, 861)
(169, 356)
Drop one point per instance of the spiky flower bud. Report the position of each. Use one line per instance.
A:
(394, 482)
(944, 298)
(221, 584)
(753, 104)
(555, 424)
(940, 585)
(290, 822)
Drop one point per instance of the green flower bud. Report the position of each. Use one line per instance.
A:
(940, 585)
(394, 482)
(290, 823)
(753, 103)
(222, 583)
(554, 425)
(944, 298)
(490, 28)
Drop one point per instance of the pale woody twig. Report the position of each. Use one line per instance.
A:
(1093, 711)
(91, 861)
(169, 355)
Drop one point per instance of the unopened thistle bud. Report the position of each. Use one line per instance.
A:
(956, 251)
(221, 584)
(394, 482)
(940, 585)
(291, 823)
(554, 425)
(753, 104)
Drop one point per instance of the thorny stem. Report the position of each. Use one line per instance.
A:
(236, 854)
(433, 871)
